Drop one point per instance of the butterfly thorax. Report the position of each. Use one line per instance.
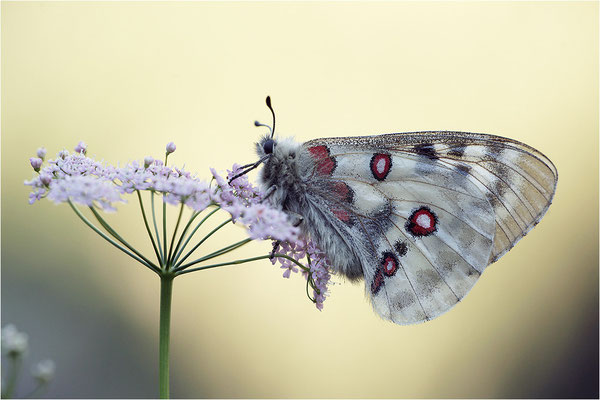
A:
(288, 178)
(281, 174)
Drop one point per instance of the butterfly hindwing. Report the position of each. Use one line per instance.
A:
(425, 213)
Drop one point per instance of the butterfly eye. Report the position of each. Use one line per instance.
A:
(268, 146)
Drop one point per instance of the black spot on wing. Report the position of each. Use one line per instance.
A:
(494, 151)
(426, 150)
(463, 169)
(401, 248)
(458, 151)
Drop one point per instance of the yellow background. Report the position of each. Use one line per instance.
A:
(128, 77)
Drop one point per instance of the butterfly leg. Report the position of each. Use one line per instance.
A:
(275, 246)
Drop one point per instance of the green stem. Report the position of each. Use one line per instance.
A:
(192, 234)
(203, 240)
(156, 228)
(307, 285)
(183, 233)
(13, 375)
(217, 253)
(166, 290)
(292, 260)
(242, 262)
(119, 238)
(174, 234)
(164, 225)
(148, 227)
(117, 245)
(223, 264)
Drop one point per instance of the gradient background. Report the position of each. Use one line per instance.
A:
(128, 77)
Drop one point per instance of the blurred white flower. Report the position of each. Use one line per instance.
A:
(13, 341)
(44, 371)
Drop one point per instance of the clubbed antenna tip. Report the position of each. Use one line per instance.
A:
(273, 113)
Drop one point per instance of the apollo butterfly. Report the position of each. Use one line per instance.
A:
(418, 216)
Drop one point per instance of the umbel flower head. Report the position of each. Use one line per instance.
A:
(77, 179)
(13, 342)
(44, 370)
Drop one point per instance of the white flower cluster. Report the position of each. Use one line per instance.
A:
(82, 180)
(13, 341)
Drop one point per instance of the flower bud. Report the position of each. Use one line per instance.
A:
(171, 147)
(46, 179)
(36, 163)
(41, 152)
(63, 154)
(147, 161)
(44, 371)
(81, 147)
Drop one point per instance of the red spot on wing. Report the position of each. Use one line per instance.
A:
(325, 163)
(341, 214)
(381, 164)
(377, 281)
(342, 191)
(319, 152)
(389, 264)
(422, 222)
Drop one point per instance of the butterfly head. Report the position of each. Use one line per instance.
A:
(266, 147)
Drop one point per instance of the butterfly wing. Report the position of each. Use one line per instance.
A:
(424, 213)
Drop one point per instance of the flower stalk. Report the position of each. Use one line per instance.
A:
(16, 360)
(166, 291)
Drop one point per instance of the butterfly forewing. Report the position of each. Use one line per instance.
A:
(520, 183)
(425, 213)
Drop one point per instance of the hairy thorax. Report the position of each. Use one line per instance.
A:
(281, 174)
(286, 177)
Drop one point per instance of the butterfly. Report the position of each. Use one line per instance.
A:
(418, 216)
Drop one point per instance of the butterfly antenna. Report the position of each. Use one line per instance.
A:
(256, 123)
(272, 112)
(249, 168)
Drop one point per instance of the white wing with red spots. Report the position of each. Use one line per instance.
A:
(423, 214)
